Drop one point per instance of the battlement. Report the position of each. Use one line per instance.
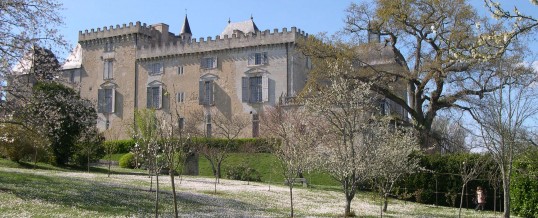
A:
(208, 44)
(117, 31)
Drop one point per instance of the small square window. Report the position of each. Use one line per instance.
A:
(155, 69)
(180, 97)
(208, 63)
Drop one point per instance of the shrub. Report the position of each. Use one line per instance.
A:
(127, 161)
(524, 185)
(18, 143)
(243, 173)
(121, 146)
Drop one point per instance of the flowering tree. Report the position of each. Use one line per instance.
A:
(145, 129)
(345, 105)
(442, 48)
(26, 26)
(296, 138)
(392, 156)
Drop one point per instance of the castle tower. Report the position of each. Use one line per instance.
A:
(185, 33)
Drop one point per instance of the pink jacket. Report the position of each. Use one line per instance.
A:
(480, 196)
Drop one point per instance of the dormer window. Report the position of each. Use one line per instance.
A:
(259, 58)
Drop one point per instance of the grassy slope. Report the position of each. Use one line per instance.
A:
(53, 192)
(267, 165)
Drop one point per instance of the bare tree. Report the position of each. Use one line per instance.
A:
(503, 117)
(225, 127)
(296, 137)
(470, 170)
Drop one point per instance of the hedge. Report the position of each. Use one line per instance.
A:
(524, 185)
(440, 182)
(256, 145)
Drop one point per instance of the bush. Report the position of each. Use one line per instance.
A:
(127, 161)
(121, 146)
(18, 143)
(243, 173)
(524, 185)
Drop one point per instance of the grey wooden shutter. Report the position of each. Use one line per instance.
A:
(251, 59)
(105, 69)
(161, 68)
(212, 92)
(265, 89)
(201, 92)
(100, 100)
(265, 60)
(113, 106)
(215, 62)
(244, 89)
(77, 76)
(148, 97)
(159, 104)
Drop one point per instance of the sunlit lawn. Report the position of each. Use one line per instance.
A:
(56, 192)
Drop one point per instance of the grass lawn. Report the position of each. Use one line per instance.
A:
(59, 192)
(268, 166)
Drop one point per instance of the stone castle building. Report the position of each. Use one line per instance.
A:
(137, 66)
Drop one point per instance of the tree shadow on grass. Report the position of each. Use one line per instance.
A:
(113, 199)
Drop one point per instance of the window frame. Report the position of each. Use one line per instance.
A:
(156, 68)
(205, 64)
(105, 104)
(108, 69)
(258, 59)
(150, 96)
(255, 89)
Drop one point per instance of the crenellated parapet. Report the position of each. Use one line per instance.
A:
(261, 38)
(124, 32)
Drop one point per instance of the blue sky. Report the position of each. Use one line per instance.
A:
(209, 17)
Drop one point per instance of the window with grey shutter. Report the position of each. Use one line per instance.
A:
(206, 92)
(244, 89)
(208, 63)
(101, 101)
(259, 58)
(255, 89)
(154, 95)
(107, 69)
(105, 98)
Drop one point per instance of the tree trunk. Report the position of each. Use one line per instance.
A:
(88, 162)
(171, 172)
(506, 187)
(109, 163)
(494, 201)
(216, 184)
(156, 194)
(348, 207)
(218, 171)
(385, 202)
(461, 199)
(290, 183)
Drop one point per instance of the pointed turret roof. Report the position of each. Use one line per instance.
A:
(186, 29)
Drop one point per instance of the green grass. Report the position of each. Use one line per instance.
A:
(50, 191)
(268, 166)
(114, 157)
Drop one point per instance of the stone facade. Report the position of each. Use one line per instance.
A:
(136, 66)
